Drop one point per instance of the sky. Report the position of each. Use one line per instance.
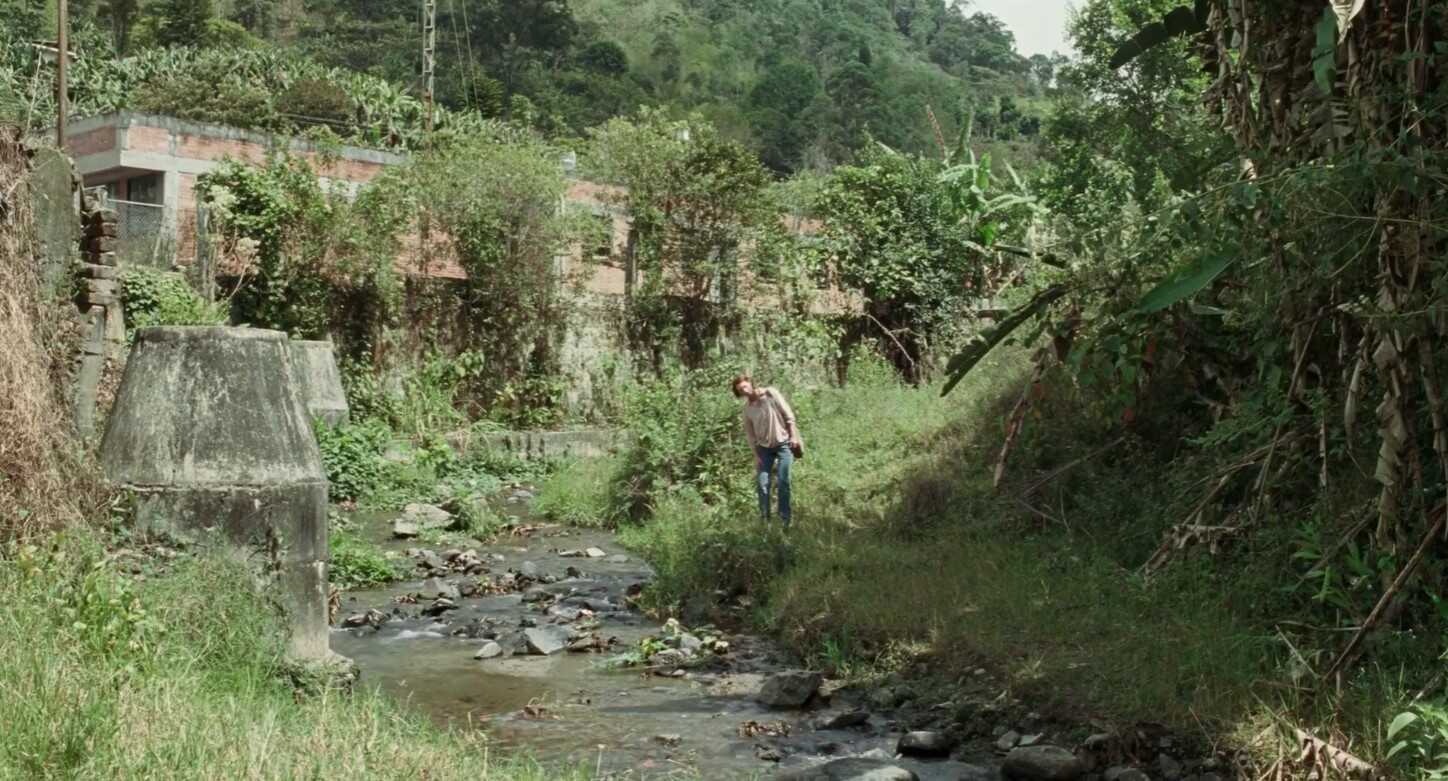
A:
(1039, 25)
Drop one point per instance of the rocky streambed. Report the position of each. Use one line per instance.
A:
(534, 638)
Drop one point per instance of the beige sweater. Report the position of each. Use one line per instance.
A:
(762, 426)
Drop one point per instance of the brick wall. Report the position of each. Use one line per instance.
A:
(102, 139)
(148, 139)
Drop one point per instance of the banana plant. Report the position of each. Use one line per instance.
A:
(1181, 21)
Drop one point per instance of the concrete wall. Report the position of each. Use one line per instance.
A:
(594, 357)
(586, 443)
(54, 198)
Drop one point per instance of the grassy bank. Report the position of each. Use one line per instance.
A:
(905, 551)
(179, 675)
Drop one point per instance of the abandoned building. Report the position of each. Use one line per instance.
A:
(149, 166)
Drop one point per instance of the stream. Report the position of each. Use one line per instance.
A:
(571, 587)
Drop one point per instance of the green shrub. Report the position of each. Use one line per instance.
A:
(152, 297)
(356, 563)
(467, 500)
(226, 34)
(352, 457)
(429, 393)
(530, 402)
(432, 471)
(577, 493)
(1419, 740)
(367, 393)
(686, 432)
(400, 483)
(312, 99)
(226, 102)
(698, 548)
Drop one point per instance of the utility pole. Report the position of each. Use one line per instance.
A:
(62, 53)
(429, 43)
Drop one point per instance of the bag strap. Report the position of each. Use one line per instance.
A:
(778, 413)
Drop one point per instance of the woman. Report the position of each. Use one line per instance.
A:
(770, 428)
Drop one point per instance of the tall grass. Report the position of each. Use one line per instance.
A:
(902, 541)
(577, 492)
(178, 676)
(40, 486)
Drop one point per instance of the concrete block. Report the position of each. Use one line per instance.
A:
(101, 258)
(94, 348)
(101, 244)
(97, 271)
(115, 324)
(103, 228)
(314, 370)
(100, 287)
(50, 189)
(87, 383)
(93, 326)
(210, 433)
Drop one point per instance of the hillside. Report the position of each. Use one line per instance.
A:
(804, 82)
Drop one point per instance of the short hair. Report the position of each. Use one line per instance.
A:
(739, 378)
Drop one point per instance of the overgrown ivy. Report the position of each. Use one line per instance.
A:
(698, 205)
(370, 271)
(298, 257)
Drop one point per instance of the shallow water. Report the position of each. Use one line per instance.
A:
(572, 708)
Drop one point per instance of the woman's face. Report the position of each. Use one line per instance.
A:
(746, 390)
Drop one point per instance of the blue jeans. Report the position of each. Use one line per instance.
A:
(767, 459)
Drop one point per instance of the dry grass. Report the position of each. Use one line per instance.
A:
(39, 460)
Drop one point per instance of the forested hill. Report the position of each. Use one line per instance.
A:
(804, 82)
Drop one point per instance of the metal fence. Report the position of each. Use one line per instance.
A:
(145, 234)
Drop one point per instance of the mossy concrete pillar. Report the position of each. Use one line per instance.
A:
(314, 368)
(210, 433)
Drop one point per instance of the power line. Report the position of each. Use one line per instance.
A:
(468, 38)
(457, 46)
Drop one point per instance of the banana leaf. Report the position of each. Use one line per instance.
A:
(980, 345)
(1184, 284)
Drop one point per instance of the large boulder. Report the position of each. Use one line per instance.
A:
(1042, 763)
(925, 743)
(791, 689)
(405, 530)
(426, 516)
(850, 769)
